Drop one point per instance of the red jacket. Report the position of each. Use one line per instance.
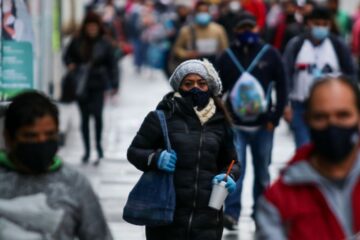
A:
(304, 210)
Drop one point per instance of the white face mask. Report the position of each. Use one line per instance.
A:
(234, 6)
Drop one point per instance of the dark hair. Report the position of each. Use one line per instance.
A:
(200, 4)
(328, 79)
(220, 104)
(92, 17)
(25, 108)
(320, 13)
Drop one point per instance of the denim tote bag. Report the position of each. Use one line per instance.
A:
(152, 200)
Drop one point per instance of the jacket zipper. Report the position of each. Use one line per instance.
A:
(196, 184)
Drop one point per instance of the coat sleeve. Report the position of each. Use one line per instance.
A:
(92, 222)
(112, 66)
(227, 154)
(289, 59)
(180, 46)
(147, 144)
(223, 40)
(268, 221)
(345, 58)
(279, 79)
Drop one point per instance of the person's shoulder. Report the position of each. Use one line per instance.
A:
(73, 177)
(337, 40)
(214, 26)
(185, 30)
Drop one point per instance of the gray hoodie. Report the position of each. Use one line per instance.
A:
(58, 205)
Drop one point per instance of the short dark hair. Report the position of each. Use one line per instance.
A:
(200, 4)
(326, 80)
(25, 108)
(320, 12)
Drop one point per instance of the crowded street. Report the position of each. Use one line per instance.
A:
(114, 178)
(179, 119)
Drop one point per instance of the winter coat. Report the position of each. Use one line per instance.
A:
(302, 204)
(202, 152)
(103, 72)
(269, 69)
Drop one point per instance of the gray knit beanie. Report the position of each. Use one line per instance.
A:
(203, 68)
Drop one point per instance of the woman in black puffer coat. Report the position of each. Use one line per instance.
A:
(202, 140)
(91, 48)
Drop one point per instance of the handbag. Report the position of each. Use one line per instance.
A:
(152, 200)
(82, 76)
(74, 84)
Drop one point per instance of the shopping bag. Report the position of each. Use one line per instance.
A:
(152, 200)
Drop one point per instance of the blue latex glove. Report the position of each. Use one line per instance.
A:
(230, 183)
(167, 161)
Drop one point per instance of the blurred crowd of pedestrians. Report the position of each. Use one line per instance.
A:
(236, 67)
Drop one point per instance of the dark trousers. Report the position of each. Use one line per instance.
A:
(92, 106)
(155, 233)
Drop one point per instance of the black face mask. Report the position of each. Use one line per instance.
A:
(37, 157)
(335, 143)
(198, 98)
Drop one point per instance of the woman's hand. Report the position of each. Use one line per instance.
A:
(167, 161)
(230, 183)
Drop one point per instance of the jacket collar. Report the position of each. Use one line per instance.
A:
(6, 162)
(183, 107)
(299, 170)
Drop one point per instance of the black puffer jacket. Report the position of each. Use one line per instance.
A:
(104, 70)
(202, 151)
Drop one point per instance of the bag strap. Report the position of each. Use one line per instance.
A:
(235, 60)
(253, 63)
(164, 128)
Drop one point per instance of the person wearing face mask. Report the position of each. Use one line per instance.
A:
(201, 39)
(307, 57)
(257, 131)
(40, 196)
(317, 195)
(228, 13)
(288, 27)
(199, 133)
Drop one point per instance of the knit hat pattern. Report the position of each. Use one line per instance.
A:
(201, 67)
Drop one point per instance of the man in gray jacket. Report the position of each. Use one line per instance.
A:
(40, 197)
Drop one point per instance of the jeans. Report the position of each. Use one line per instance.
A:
(261, 143)
(298, 125)
(140, 49)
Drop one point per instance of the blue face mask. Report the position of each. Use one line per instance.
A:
(248, 37)
(203, 19)
(320, 33)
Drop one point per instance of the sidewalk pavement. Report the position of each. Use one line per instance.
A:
(115, 176)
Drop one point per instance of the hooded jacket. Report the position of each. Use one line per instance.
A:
(59, 204)
(304, 205)
(202, 152)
